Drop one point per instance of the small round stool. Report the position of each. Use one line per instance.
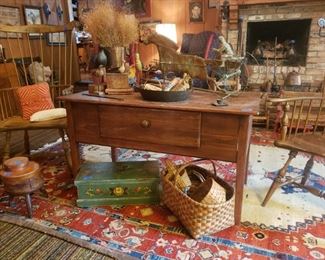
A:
(21, 177)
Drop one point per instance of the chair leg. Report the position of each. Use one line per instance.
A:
(308, 167)
(66, 149)
(6, 148)
(278, 180)
(29, 205)
(26, 143)
(10, 200)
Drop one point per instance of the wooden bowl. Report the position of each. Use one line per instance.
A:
(164, 96)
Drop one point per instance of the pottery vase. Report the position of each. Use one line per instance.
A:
(101, 58)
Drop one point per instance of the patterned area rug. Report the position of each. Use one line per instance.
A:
(291, 226)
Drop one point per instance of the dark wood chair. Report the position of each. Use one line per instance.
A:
(54, 47)
(302, 130)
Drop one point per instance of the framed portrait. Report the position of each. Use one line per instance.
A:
(212, 3)
(33, 15)
(196, 11)
(146, 28)
(141, 8)
(58, 38)
(9, 15)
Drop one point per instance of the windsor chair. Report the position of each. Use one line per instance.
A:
(53, 46)
(302, 130)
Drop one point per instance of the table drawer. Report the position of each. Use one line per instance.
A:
(166, 127)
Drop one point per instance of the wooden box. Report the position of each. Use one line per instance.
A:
(118, 183)
(117, 80)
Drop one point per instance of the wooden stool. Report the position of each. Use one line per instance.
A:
(21, 177)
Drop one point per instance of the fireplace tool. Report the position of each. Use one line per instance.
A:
(275, 85)
(321, 24)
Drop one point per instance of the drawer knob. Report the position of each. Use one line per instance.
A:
(145, 123)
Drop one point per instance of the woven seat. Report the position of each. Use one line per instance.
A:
(18, 123)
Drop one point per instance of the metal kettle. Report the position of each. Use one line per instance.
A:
(293, 78)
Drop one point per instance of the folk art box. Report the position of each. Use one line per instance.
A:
(118, 183)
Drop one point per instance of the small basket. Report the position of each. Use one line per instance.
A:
(209, 192)
(198, 218)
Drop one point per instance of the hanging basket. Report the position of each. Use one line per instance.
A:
(199, 218)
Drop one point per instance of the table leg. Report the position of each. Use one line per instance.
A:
(242, 163)
(74, 145)
(29, 205)
(114, 154)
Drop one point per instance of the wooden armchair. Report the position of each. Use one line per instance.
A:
(53, 47)
(302, 130)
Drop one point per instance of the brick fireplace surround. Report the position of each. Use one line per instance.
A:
(314, 71)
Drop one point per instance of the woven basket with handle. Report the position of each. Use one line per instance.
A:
(198, 218)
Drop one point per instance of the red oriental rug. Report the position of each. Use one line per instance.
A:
(291, 226)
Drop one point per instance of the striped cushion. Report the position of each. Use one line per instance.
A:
(34, 98)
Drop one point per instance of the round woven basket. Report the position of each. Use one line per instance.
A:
(198, 218)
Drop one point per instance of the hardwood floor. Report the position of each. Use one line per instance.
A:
(37, 138)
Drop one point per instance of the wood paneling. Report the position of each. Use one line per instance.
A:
(19, 46)
(52, 4)
(171, 11)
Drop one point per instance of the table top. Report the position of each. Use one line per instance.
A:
(246, 103)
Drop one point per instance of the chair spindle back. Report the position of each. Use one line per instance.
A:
(302, 115)
(25, 45)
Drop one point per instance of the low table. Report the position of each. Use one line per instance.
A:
(193, 127)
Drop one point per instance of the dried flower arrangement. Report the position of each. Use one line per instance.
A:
(110, 27)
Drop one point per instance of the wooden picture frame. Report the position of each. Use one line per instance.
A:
(212, 3)
(196, 11)
(140, 8)
(10, 15)
(58, 38)
(33, 15)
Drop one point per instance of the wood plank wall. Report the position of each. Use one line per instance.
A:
(53, 20)
(171, 11)
(20, 3)
(52, 4)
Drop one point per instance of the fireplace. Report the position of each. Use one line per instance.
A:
(288, 21)
(283, 41)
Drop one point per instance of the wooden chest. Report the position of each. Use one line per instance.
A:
(118, 183)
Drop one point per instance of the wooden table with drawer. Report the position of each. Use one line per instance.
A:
(193, 127)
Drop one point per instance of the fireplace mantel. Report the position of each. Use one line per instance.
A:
(235, 4)
(252, 2)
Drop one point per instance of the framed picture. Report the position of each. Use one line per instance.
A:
(196, 11)
(9, 15)
(33, 15)
(58, 38)
(146, 28)
(212, 3)
(141, 8)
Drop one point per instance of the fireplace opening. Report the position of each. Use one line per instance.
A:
(285, 42)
